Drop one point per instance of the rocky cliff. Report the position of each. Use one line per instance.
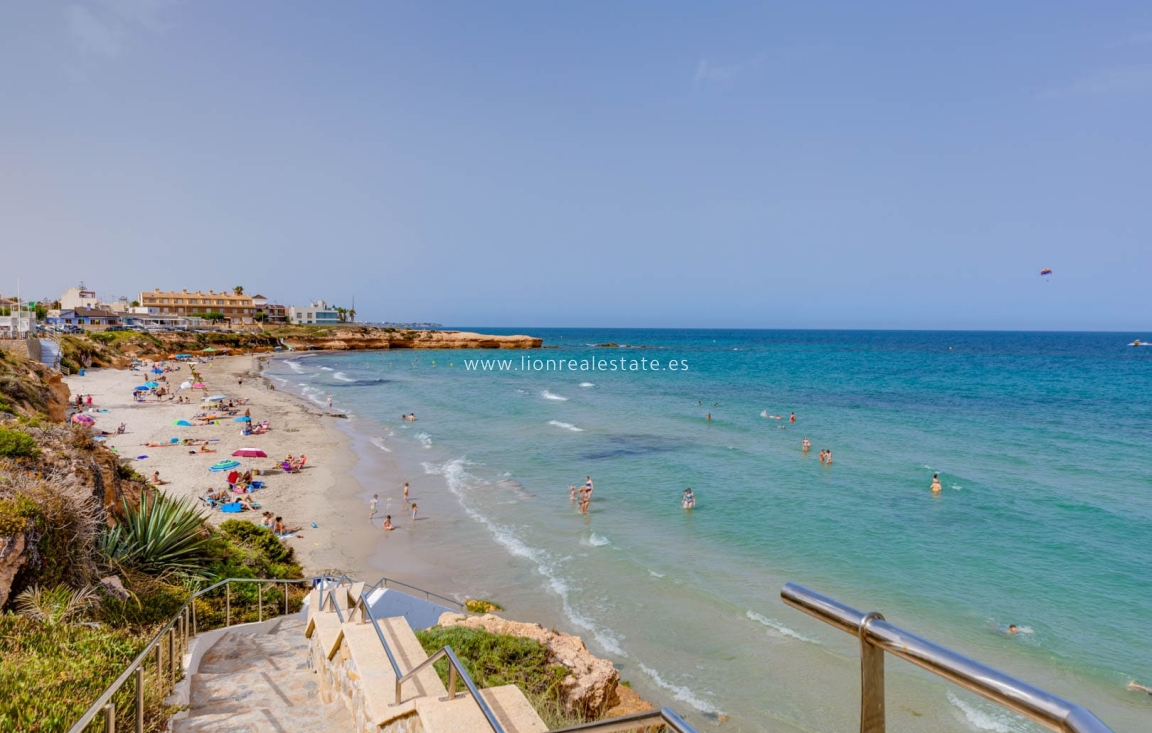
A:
(347, 338)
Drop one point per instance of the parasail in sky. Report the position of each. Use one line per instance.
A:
(1046, 271)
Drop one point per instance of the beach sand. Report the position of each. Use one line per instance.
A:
(324, 493)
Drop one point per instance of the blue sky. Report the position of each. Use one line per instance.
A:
(737, 164)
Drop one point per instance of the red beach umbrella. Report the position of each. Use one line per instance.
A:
(249, 453)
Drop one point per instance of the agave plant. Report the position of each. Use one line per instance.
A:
(164, 536)
(57, 605)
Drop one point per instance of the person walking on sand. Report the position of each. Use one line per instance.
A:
(405, 491)
(413, 512)
(936, 487)
(373, 505)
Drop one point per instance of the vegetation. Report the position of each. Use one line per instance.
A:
(17, 444)
(212, 316)
(161, 537)
(56, 605)
(493, 660)
(476, 605)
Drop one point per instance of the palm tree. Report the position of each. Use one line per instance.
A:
(352, 314)
(341, 314)
(238, 290)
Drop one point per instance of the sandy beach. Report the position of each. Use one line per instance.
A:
(323, 493)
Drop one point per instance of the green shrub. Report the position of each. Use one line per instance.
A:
(495, 659)
(56, 605)
(16, 514)
(17, 444)
(159, 537)
(476, 605)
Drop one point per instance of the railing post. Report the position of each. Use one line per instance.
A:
(172, 654)
(871, 679)
(451, 680)
(140, 699)
(110, 717)
(260, 600)
(227, 604)
(286, 587)
(193, 607)
(159, 664)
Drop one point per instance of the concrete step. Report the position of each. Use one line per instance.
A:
(463, 715)
(250, 690)
(331, 718)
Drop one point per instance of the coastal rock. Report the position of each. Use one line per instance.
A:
(591, 685)
(12, 557)
(355, 338)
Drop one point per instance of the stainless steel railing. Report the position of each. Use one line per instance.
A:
(665, 716)
(877, 636)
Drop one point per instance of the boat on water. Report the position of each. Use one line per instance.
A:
(1138, 342)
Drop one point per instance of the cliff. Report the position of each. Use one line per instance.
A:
(351, 338)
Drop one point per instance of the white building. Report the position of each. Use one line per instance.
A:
(315, 314)
(80, 297)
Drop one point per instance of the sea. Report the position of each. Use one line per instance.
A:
(1042, 443)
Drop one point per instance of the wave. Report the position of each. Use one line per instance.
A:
(587, 384)
(549, 396)
(425, 439)
(681, 693)
(595, 540)
(379, 443)
(294, 366)
(327, 369)
(655, 574)
(989, 718)
(778, 627)
(458, 480)
(566, 426)
(343, 377)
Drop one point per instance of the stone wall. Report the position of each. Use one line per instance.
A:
(340, 680)
(28, 348)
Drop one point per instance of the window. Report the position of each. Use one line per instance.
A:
(179, 301)
(163, 300)
(219, 302)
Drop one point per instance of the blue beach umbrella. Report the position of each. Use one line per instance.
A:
(151, 385)
(224, 466)
(183, 356)
(155, 370)
(183, 423)
(142, 388)
(243, 418)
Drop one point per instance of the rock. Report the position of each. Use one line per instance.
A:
(114, 587)
(591, 686)
(12, 557)
(631, 702)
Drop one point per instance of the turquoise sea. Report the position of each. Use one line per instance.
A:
(1043, 443)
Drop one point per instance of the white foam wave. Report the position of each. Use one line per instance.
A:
(458, 481)
(281, 380)
(327, 369)
(587, 384)
(425, 439)
(294, 366)
(596, 540)
(778, 627)
(989, 718)
(566, 426)
(655, 574)
(379, 443)
(681, 693)
(343, 377)
(549, 396)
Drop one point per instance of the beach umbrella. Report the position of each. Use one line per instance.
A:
(199, 385)
(157, 370)
(249, 453)
(183, 423)
(208, 349)
(243, 418)
(217, 397)
(141, 388)
(183, 356)
(83, 420)
(185, 385)
(151, 385)
(224, 466)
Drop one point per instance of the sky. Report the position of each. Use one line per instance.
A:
(570, 163)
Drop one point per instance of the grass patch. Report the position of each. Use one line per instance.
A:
(17, 444)
(476, 605)
(493, 660)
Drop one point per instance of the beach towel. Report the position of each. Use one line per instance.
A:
(232, 507)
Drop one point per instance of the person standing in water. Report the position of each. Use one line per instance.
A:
(806, 445)
(689, 500)
(372, 510)
(588, 485)
(936, 487)
(405, 491)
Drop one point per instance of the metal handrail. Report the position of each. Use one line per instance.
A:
(455, 671)
(186, 618)
(878, 636)
(665, 716)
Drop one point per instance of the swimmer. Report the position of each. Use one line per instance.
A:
(763, 413)
(1134, 687)
(806, 445)
(709, 418)
(689, 500)
(588, 485)
(936, 488)
(1013, 629)
(571, 493)
(792, 418)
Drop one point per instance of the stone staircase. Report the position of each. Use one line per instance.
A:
(314, 673)
(50, 353)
